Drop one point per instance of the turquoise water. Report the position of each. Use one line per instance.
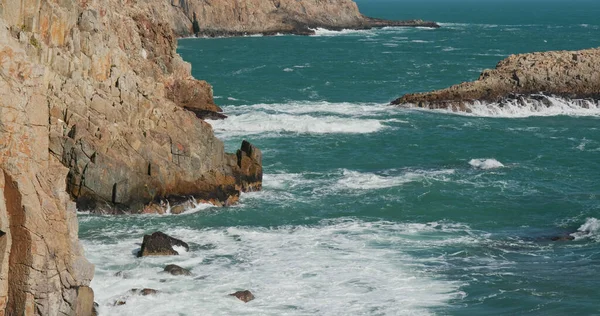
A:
(369, 209)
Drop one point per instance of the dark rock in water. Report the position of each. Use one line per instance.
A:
(245, 296)
(140, 292)
(177, 270)
(95, 309)
(160, 244)
(562, 238)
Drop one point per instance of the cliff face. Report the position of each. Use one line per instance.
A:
(568, 74)
(116, 92)
(92, 91)
(42, 268)
(235, 17)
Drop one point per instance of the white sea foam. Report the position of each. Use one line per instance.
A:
(332, 268)
(521, 108)
(590, 229)
(288, 69)
(264, 123)
(486, 163)
(371, 181)
(301, 118)
(304, 107)
(325, 32)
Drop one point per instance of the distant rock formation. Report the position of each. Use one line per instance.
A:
(269, 17)
(567, 74)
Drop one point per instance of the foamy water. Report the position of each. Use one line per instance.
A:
(553, 106)
(336, 267)
(485, 163)
(301, 118)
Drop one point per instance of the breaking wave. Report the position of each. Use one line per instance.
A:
(485, 163)
(301, 118)
(522, 107)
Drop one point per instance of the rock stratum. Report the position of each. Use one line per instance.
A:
(572, 75)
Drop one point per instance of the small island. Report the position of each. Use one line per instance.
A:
(571, 75)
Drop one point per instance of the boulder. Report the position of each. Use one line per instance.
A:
(244, 296)
(160, 244)
(177, 270)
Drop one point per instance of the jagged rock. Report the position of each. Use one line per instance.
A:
(569, 74)
(244, 296)
(95, 309)
(249, 160)
(177, 270)
(160, 244)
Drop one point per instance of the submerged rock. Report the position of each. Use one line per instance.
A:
(244, 296)
(562, 238)
(174, 269)
(160, 244)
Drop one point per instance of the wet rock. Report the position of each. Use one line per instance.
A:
(244, 296)
(160, 244)
(177, 270)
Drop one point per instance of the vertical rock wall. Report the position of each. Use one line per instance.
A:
(42, 266)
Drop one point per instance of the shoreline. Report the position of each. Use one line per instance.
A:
(572, 75)
(310, 29)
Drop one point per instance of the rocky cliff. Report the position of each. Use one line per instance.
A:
(95, 107)
(567, 74)
(235, 17)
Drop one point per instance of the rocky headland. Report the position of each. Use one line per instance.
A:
(270, 17)
(571, 75)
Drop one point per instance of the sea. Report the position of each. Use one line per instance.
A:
(371, 209)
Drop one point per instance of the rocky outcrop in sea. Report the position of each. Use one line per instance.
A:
(520, 79)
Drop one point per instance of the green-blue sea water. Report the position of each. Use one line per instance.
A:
(369, 209)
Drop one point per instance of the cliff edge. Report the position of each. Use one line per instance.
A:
(567, 74)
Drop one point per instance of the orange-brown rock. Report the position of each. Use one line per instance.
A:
(568, 74)
(116, 99)
(42, 268)
(233, 17)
